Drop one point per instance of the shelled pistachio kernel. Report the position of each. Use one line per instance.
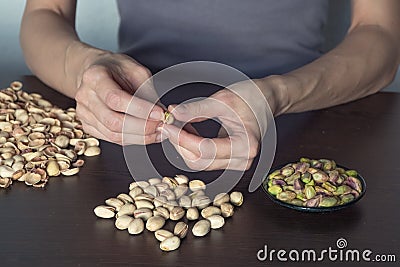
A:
(314, 183)
(168, 118)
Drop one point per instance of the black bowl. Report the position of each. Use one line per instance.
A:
(313, 209)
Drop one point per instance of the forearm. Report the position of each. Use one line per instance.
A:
(365, 62)
(53, 51)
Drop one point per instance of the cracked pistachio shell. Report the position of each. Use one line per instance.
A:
(181, 229)
(151, 190)
(154, 181)
(201, 202)
(125, 198)
(136, 226)
(114, 202)
(92, 151)
(181, 179)
(159, 201)
(176, 213)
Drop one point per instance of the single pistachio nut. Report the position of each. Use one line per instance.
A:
(144, 196)
(141, 184)
(134, 192)
(220, 198)
(197, 193)
(171, 182)
(201, 228)
(159, 201)
(162, 212)
(170, 244)
(125, 198)
(181, 229)
(143, 213)
(155, 223)
(185, 202)
(126, 209)
(144, 204)
(181, 179)
(161, 186)
(162, 234)
(216, 221)
(227, 209)
(236, 198)
(196, 185)
(136, 226)
(201, 202)
(151, 190)
(192, 214)
(154, 181)
(123, 222)
(114, 202)
(180, 190)
(105, 212)
(177, 213)
(168, 193)
(92, 151)
(209, 211)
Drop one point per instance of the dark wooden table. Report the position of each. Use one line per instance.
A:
(55, 226)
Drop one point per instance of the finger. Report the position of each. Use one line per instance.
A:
(120, 123)
(89, 119)
(116, 99)
(200, 164)
(202, 147)
(198, 110)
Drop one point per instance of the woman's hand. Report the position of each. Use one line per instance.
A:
(242, 111)
(105, 104)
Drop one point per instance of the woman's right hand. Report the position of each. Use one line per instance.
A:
(105, 104)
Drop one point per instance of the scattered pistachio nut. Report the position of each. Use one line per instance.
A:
(150, 204)
(37, 137)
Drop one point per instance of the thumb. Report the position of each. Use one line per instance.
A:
(195, 111)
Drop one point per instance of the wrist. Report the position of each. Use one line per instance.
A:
(78, 58)
(275, 90)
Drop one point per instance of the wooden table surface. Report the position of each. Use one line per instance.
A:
(55, 226)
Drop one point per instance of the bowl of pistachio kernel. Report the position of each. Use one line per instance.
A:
(314, 185)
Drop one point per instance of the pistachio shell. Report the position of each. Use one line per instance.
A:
(192, 214)
(170, 244)
(236, 198)
(181, 229)
(92, 151)
(122, 222)
(220, 198)
(155, 223)
(162, 234)
(105, 212)
(136, 226)
(227, 210)
(201, 228)
(196, 185)
(209, 211)
(216, 221)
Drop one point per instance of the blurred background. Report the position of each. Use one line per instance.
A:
(97, 24)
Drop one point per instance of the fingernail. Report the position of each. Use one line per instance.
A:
(156, 115)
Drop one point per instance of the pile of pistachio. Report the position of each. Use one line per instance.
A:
(314, 183)
(39, 140)
(151, 203)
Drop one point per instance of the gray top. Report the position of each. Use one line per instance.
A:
(258, 37)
